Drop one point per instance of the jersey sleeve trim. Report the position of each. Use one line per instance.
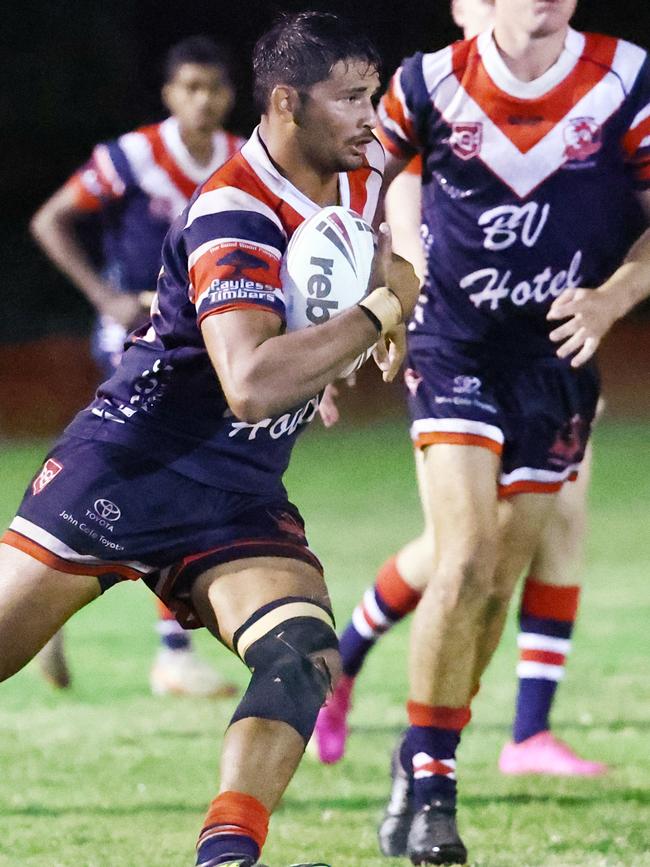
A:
(396, 130)
(229, 308)
(636, 140)
(99, 181)
(113, 170)
(84, 199)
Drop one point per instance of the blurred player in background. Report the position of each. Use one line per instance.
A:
(191, 466)
(550, 594)
(136, 185)
(533, 138)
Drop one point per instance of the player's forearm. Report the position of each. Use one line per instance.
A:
(56, 237)
(629, 284)
(403, 215)
(286, 370)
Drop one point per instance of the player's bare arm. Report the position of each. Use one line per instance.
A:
(53, 228)
(403, 203)
(393, 167)
(590, 313)
(251, 356)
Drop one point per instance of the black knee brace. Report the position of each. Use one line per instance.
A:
(280, 643)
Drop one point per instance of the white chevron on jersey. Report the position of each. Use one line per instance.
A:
(523, 172)
(153, 179)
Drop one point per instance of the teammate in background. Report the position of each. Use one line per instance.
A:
(137, 184)
(533, 138)
(550, 592)
(193, 462)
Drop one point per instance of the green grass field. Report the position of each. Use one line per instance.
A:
(108, 776)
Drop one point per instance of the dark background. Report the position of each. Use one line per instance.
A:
(80, 72)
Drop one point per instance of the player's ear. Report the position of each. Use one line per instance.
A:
(285, 101)
(165, 95)
(457, 14)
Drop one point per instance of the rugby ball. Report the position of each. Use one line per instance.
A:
(326, 269)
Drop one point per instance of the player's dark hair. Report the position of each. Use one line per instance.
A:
(300, 50)
(196, 49)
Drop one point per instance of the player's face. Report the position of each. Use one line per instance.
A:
(537, 18)
(472, 16)
(336, 117)
(200, 96)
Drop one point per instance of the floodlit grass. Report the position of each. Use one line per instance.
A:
(109, 776)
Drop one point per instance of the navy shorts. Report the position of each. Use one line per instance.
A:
(535, 413)
(96, 508)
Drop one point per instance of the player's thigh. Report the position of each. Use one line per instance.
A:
(426, 488)
(459, 485)
(227, 595)
(35, 601)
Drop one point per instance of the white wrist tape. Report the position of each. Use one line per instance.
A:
(384, 304)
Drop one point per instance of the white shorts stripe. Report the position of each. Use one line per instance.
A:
(456, 425)
(531, 474)
(60, 549)
(539, 670)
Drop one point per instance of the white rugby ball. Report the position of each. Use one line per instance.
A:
(326, 269)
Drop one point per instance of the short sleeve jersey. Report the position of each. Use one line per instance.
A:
(528, 187)
(139, 183)
(223, 253)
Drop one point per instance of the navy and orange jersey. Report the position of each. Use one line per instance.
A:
(528, 187)
(139, 183)
(222, 253)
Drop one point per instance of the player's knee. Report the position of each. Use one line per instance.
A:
(292, 650)
(498, 597)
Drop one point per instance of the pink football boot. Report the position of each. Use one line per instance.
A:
(331, 731)
(543, 753)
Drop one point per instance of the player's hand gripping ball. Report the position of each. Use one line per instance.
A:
(326, 269)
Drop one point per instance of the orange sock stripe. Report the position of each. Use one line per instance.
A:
(163, 612)
(455, 718)
(393, 589)
(547, 657)
(550, 601)
(237, 810)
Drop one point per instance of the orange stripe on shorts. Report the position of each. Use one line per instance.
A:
(431, 438)
(38, 552)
